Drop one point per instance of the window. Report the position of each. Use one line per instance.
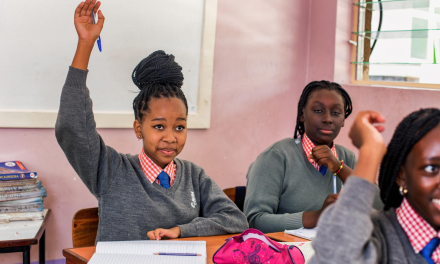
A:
(397, 42)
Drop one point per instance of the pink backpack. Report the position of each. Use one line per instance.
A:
(253, 247)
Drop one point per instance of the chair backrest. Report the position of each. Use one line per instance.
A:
(85, 227)
(237, 195)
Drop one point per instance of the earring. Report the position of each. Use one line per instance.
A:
(139, 137)
(402, 191)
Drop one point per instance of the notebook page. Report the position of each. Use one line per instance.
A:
(144, 259)
(149, 247)
(306, 233)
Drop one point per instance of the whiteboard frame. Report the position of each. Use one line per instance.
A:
(199, 120)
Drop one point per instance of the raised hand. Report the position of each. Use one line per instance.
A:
(87, 31)
(364, 132)
(366, 136)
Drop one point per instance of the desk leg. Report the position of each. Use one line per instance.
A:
(41, 246)
(27, 255)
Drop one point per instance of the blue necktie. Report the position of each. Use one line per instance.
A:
(323, 170)
(164, 180)
(429, 249)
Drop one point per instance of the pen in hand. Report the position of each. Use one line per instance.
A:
(99, 37)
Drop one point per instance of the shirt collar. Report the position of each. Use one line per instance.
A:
(416, 228)
(152, 170)
(308, 145)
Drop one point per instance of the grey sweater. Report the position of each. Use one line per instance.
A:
(282, 184)
(351, 232)
(129, 204)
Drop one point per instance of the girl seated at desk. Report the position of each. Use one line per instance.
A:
(295, 179)
(154, 194)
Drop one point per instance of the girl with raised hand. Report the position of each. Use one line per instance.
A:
(152, 195)
(407, 229)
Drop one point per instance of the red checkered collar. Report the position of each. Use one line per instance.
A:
(152, 170)
(308, 145)
(419, 232)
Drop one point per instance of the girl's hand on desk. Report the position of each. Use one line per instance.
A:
(160, 233)
(87, 31)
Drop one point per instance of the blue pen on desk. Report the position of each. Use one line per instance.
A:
(99, 37)
(178, 254)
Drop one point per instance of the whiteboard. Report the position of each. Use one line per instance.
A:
(38, 41)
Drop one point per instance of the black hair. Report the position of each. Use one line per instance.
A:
(412, 128)
(157, 76)
(319, 85)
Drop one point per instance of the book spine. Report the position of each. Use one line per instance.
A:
(18, 176)
(22, 201)
(22, 208)
(23, 195)
(24, 188)
(19, 182)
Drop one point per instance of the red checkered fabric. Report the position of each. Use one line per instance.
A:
(152, 170)
(308, 145)
(417, 229)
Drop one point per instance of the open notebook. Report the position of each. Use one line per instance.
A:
(305, 233)
(142, 252)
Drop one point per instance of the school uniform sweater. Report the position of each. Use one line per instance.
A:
(129, 204)
(351, 232)
(282, 184)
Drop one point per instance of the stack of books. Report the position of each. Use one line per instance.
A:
(21, 193)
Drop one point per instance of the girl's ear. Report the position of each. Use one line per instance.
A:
(137, 128)
(401, 178)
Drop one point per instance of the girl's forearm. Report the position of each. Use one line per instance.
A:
(82, 54)
(368, 163)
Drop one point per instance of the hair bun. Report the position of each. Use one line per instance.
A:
(158, 67)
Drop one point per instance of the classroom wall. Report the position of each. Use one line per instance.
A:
(260, 57)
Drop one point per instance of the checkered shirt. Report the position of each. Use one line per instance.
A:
(152, 170)
(417, 229)
(308, 145)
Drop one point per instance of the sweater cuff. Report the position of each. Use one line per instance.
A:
(358, 194)
(293, 221)
(76, 77)
(188, 230)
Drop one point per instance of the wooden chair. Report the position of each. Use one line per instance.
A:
(237, 195)
(85, 227)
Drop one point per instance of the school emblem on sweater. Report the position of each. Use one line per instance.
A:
(193, 198)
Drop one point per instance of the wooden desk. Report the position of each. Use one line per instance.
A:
(83, 255)
(19, 236)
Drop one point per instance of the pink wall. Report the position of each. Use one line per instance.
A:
(260, 58)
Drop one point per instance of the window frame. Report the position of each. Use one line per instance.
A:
(358, 67)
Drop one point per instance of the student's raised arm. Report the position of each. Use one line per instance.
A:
(348, 222)
(75, 128)
(88, 32)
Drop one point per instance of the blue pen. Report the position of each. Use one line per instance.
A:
(178, 254)
(99, 37)
(334, 185)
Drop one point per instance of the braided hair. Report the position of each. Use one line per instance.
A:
(319, 85)
(412, 128)
(157, 76)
